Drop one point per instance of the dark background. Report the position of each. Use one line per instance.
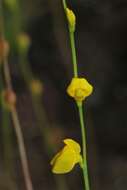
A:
(101, 42)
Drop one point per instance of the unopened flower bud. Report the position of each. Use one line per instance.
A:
(9, 98)
(71, 19)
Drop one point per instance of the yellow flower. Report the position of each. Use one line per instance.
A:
(71, 19)
(65, 160)
(79, 89)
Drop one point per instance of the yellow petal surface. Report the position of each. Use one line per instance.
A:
(79, 89)
(78, 159)
(64, 161)
(73, 145)
(55, 158)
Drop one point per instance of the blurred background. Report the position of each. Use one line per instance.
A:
(46, 113)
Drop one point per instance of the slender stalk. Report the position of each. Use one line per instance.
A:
(6, 73)
(4, 58)
(80, 108)
(7, 139)
(14, 114)
(64, 4)
(83, 132)
(22, 149)
(73, 50)
(19, 135)
(72, 43)
(8, 149)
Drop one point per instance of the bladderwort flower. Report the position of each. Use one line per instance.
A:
(79, 89)
(71, 19)
(65, 160)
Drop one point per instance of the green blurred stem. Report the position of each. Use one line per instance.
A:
(15, 119)
(17, 127)
(5, 127)
(22, 150)
(8, 149)
(7, 138)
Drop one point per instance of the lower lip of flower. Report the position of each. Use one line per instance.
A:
(79, 94)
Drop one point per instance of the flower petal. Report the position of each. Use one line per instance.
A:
(78, 159)
(73, 145)
(79, 88)
(55, 158)
(64, 161)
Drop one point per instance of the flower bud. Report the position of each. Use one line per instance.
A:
(71, 19)
(79, 89)
(9, 98)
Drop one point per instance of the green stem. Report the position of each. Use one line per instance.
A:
(80, 109)
(73, 51)
(64, 4)
(85, 167)
(72, 43)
